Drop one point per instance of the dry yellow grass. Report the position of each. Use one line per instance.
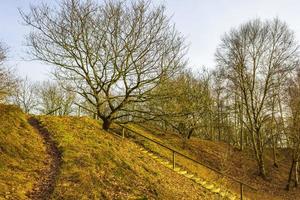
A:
(226, 158)
(21, 154)
(98, 165)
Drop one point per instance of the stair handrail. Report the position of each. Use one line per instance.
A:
(52, 111)
(241, 183)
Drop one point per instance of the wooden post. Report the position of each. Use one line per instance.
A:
(79, 110)
(123, 133)
(290, 175)
(242, 190)
(296, 174)
(173, 159)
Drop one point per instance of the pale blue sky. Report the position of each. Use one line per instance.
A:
(202, 22)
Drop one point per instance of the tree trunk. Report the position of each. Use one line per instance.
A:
(190, 133)
(241, 139)
(296, 174)
(274, 141)
(274, 153)
(241, 121)
(184, 141)
(219, 119)
(262, 170)
(290, 176)
(106, 123)
(274, 145)
(258, 150)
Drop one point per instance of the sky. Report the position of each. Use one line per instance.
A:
(201, 22)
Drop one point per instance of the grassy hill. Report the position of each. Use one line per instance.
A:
(22, 154)
(95, 164)
(98, 165)
(227, 159)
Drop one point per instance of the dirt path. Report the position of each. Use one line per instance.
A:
(46, 184)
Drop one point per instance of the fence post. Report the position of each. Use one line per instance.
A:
(241, 190)
(123, 132)
(173, 159)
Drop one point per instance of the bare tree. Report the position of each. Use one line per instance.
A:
(114, 54)
(26, 96)
(183, 103)
(253, 57)
(3, 52)
(294, 127)
(52, 96)
(8, 80)
(221, 96)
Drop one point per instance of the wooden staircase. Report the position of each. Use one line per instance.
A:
(223, 193)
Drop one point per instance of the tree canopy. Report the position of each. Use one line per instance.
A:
(113, 54)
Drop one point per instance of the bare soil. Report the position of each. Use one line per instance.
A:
(44, 188)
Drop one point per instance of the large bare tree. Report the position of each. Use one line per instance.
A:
(113, 54)
(254, 56)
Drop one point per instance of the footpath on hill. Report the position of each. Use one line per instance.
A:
(46, 184)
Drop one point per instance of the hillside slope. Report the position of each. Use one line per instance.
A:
(22, 154)
(231, 161)
(98, 165)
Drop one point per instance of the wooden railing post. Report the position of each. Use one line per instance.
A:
(241, 190)
(79, 110)
(173, 159)
(123, 133)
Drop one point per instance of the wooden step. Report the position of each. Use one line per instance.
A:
(203, 183)
(166, 163)
(211, 187)
(169, 166)
(196, 179)
(232, 197)
(189, 175)
(182, 172)
(177, 169)
(216, 190)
